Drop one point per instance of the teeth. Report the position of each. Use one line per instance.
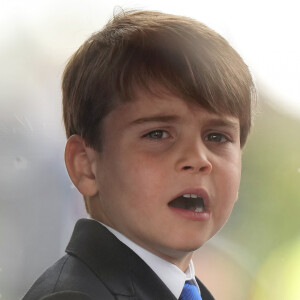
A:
(190, 196)
(199, 209)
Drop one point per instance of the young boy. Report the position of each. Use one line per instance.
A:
(157, 109)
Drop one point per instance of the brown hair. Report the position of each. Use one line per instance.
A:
(137, 48)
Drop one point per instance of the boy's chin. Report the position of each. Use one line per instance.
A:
(180, 251)
(192, 242)
(191, 247)
(179, 255)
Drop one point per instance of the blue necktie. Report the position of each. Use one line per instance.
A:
(190, 292)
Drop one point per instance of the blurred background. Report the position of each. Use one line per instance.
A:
(257, 254)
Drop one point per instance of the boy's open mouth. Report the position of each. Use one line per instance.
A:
(191, 202)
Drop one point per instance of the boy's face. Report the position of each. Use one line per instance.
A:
(155, 150)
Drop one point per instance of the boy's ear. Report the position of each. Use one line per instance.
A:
(81, 165)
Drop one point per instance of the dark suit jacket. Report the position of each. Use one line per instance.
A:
(98, 266)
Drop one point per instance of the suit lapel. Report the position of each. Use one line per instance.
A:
(118, 267)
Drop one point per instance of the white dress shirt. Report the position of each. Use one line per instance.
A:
(169, 273)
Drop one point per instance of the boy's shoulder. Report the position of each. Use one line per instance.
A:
(68, 278)
(98, 266)
(74, 275)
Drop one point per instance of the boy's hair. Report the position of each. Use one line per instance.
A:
(141, 49)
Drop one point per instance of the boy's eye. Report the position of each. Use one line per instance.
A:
(157, 134)
(216, 137)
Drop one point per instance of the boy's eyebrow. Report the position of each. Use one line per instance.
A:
(218, 122)
(157, 118)
(224, 123)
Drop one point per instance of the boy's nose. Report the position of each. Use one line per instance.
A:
(194, 159)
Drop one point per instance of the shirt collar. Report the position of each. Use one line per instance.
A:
(169, 273)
